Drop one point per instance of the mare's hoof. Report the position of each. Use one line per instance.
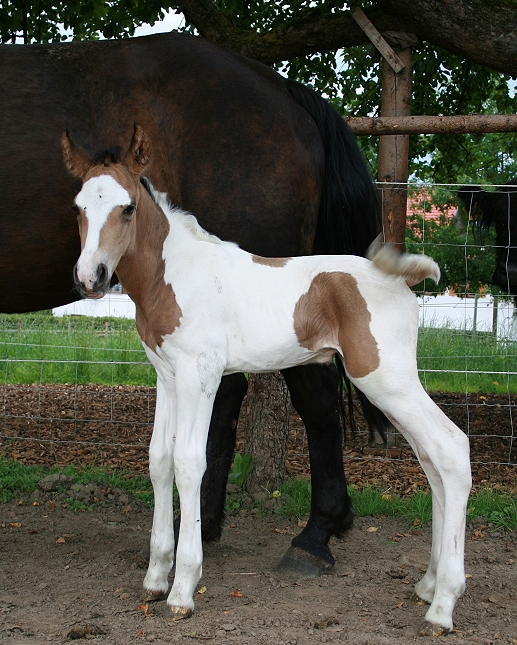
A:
(416, 600)
(145, 552)
(432, 629)
(302, 563)
(154, 596)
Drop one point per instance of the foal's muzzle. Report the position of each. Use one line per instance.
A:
(98, 288)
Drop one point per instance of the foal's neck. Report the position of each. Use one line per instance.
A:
(142, 266)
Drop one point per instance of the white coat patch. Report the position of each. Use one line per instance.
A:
(210, 367)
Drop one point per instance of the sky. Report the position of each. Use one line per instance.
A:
(171, 21)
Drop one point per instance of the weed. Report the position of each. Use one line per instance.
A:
(241, 468)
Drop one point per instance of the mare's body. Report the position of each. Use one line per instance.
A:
(260, 160)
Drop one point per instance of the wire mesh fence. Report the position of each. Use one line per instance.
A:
(76, 388)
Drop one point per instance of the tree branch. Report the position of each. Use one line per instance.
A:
(473, 123)
(477, 30)
(473, 29)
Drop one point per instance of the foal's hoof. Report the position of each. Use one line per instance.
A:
(416, 600)
(171, 614)
(432, 629)
(302, 563)
(154, 596)
(179, 613)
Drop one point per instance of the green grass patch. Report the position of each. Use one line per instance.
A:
(38, 348)
(496, 508)
(452, 360)
(18, 479)
(368, 501)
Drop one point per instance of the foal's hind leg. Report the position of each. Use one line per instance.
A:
(314, 393)
(443, 452)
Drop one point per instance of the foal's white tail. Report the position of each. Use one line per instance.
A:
(412, 267)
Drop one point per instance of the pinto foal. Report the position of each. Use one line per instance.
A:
(206, 308)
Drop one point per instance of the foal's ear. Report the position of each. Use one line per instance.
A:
(77, 161)
(139, 153)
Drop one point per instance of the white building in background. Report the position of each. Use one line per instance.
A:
(440, 311)
(471, 314)
(113, 305)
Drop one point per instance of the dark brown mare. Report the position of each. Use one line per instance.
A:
(259, 160)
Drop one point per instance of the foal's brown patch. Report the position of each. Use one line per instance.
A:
(270, 262)
(159, 317)
(334, 311)
(158, 312)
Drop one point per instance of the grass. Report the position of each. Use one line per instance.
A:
(38, 348)
(497, 509)
(17, 479)
(451, 360)
(368, 501)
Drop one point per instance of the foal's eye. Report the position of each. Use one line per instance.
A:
(75, 209)
(128, 211)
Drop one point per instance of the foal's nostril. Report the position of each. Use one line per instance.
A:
(76, 277)
(102, 274)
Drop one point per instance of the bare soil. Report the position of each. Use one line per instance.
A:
(68, 575)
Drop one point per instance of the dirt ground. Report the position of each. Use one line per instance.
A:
(68, 575)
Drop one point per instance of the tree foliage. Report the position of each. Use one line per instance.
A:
(44, 21)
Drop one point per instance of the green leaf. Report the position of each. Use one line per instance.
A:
(241, 468)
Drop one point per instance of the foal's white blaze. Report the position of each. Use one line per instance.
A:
(98, 197)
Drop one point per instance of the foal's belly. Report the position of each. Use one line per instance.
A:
(255, 356)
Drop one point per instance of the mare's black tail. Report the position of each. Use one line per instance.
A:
(347, 221)
(348, 216)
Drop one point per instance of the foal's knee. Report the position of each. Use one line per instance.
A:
(161, 463)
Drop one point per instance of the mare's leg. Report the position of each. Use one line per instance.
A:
(219, 453)
(195, 399)
(161, 469)
(314, 393)
(443, 452)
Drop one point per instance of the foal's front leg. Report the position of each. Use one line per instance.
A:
(196, 386)
(161, 469)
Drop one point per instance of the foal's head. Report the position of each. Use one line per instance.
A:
(105, 209)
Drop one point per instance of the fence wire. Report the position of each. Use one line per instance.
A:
(85, 392)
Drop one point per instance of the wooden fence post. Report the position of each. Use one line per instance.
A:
(394, 149)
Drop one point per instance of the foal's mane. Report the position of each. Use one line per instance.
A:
(108, 156)
(186, 219)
